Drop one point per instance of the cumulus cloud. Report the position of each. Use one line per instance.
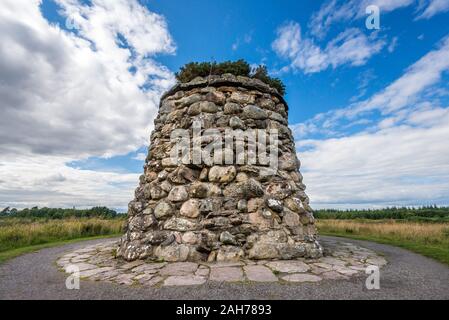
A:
(329, 13)
(335, 11)
(72, 94)
(76, 94)
(406, 90)
(364, 81)
(400, 159)
(43, 180)
(417, 83)
(401, 165)
(140, 157)
(433, 8)
(350, 47)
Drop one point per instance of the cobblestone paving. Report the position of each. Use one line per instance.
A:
(97, 263)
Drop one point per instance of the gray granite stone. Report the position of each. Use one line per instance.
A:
(259, 274)
(92, 272)
(301, 277)
(288, 266)
(189, 280)
(227, 274)
(179, 269)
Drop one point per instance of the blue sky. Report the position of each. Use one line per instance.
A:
(368, 107)
(205, 29)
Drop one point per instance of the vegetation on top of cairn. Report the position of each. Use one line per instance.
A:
(238, 68)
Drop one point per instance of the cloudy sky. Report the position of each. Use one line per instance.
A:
(80, 82)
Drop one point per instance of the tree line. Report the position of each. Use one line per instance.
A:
(402, 213)
(58, 213)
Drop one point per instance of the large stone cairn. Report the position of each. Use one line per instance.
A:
(220, 212)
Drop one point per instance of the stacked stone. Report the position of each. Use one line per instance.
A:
(220, 212)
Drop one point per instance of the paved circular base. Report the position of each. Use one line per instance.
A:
(96, 262)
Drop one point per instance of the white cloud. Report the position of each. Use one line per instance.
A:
(140, 157)
(40, 180)
(393, 44)
(75, 94)
(71, 95)
(334, 11)
(288, 39)
(247, 39)
(329, 13)
(364, 81)
(402, 165)
(402, 159)
(433, 8)
(350, 47)
(405, 92)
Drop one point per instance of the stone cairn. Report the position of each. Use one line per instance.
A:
(208, 212)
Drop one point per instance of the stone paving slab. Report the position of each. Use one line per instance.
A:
(179, 269)
(97, 263)
(259, 274)
(189, 280)
(301, 277)
(288, 266)
(94, 272)
(227, 274)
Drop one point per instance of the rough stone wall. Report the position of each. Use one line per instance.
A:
(220, 212)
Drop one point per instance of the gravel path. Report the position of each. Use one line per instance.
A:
(407, 276)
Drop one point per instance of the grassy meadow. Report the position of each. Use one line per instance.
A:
(19, 233)
(24, 232)
(422, 230)
(430, 239)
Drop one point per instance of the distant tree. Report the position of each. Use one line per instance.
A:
(5, 212)
(431, 213)
(55, 213)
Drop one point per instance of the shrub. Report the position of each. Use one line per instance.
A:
(238, 68)
(261, 73)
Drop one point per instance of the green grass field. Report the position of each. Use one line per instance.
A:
(10, 254)
(428, 239)
(22, 235)
(28, 234)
